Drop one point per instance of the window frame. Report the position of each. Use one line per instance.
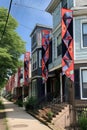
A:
(82, 22)
(39, 38)
(40, 58)
(34, 61)
(81, 82)
(83, 34)
(58, 45)
(34, 39)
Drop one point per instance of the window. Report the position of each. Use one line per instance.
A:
(34, 40)
(54, 42)
(83, 79)
(84, 31)
(34, 88)
(40, 58)
(64, 3)
(59, 45)
(50, 52)
(39, 38)
(34, 61)
(57, 16)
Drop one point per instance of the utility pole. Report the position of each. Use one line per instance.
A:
(7, 19)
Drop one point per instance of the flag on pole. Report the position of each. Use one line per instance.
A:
(26, 68)
(45, 54)
(67, 44)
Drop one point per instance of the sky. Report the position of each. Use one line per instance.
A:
(28, 13)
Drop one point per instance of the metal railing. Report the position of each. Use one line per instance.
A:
(50, 100)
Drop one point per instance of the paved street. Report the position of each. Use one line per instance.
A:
(18, 119)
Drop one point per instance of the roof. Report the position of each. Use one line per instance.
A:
(52, 5)
(40, 26)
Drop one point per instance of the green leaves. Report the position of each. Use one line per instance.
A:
(11, 46)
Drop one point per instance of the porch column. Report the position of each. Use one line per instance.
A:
(61, 90)
(45, 89)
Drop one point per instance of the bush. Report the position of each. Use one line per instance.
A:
(9, 96)
(31, 103)
(19, 103)
(1, 104)
(83, 123)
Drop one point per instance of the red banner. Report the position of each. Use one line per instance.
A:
(26, 68)
(45, 53)
(67, 44)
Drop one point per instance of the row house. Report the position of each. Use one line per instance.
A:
(72, 92)
(38, 89)
(19, 84)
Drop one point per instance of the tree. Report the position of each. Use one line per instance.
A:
(11, 46)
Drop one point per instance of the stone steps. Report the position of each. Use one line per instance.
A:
(55, 109)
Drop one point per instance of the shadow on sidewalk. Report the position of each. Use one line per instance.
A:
(13, 111)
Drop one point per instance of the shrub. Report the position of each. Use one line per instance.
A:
(1, 104)
(83, 123)
(19, 103)
(31, 103)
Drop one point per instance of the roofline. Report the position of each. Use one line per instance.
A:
(40, 25)
(52, 5)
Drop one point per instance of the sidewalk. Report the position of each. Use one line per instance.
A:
(18, 119)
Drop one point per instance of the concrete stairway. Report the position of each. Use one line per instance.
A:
(57, 116)
(62, 119)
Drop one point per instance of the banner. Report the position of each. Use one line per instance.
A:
(45, 54)
(26, 68)
(67, 44)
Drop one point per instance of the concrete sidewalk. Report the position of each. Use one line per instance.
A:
(18, 119)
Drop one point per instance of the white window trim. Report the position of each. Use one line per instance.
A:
(82, 68)
(82, 22)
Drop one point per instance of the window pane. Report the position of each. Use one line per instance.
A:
(59, 50)
(84, 83)
(39, 37)
(59, 40)
(84, 73)
(34, 60)
(59, 45)
(84, 90)
(84, 28)
(84, 40)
